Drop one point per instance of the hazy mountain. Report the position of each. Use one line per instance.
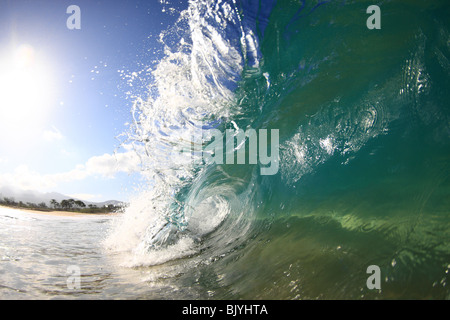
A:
(38, 197)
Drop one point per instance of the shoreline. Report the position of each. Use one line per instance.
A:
(59, 213)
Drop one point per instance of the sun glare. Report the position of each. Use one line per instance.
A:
(25, 91)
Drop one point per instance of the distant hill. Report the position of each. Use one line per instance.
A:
(39, 197)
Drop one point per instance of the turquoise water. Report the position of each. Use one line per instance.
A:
(363, 179)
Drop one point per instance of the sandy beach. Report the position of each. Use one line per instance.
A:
(58, 213)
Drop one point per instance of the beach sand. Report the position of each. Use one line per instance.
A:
(58, 213)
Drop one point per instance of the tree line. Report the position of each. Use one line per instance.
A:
(64, 205)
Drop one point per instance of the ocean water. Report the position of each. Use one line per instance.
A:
(363, 179)
(52, 257)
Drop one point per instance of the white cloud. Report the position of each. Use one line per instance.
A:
(105, 166)
(52, 135)
(108, 165)
(66, 153)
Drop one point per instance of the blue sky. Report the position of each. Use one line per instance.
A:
(58, 127)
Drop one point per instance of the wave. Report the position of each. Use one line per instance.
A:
(364, 143)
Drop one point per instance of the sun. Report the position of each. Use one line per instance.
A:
(26, 91)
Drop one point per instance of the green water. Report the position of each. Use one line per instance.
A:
(381, 196)
(363, 179)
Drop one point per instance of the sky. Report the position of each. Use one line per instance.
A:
(66, 94)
